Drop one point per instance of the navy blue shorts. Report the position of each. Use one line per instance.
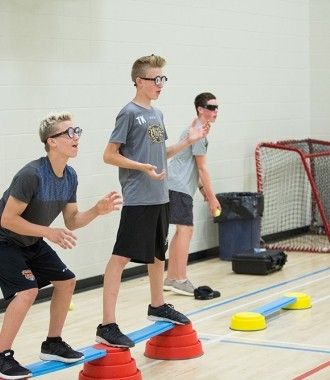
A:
(143, 233)
(181, 209)
(35, 266)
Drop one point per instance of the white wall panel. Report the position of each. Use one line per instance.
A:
(266, 60)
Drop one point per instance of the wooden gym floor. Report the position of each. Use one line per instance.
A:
(294, 345)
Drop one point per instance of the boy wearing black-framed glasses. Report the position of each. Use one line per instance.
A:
(187, 172)
(38, 193)
(137, 147)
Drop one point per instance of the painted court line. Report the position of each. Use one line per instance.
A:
(231, 336)
(258, 291)
(282, 347)
(279, 342)
(312, 371)
(143, 334)
(267, 342)
(247, 304)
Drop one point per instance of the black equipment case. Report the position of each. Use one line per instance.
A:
(258, 261)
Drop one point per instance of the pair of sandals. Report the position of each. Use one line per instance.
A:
(205, 293)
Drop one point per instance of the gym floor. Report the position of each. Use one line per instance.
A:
(294, 345)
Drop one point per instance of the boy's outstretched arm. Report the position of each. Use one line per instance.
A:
(194, 135)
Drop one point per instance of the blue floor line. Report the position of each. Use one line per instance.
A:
(280, 347)
(41, 368)
(256, 292)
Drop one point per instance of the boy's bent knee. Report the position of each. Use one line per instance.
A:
(65, 284)
(119, 260)
(27, 296)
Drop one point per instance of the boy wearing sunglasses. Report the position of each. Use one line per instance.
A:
(137, 147)
(38, 193)
(187, 172)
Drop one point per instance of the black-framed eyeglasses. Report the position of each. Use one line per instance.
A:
(70, 132)
(157, 80)
(210, 107)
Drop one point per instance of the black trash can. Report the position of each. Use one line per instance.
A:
(239, 223)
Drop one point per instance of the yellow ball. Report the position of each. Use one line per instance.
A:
(217, 212)
(71, 307)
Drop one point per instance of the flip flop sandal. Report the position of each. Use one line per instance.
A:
(205, 293)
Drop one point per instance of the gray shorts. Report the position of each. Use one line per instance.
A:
(181, 209)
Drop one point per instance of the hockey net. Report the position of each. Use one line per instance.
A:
(294, 178)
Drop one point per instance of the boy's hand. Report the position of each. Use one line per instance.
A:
(110, 202)
(151, 171)
(199, 133)
(62, 237)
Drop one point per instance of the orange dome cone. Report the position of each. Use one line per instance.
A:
(116, 365)
(181, 342)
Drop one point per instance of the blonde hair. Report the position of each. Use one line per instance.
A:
(141, 65)
(49, 124)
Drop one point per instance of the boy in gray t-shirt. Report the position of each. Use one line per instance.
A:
(38, 193)
(187, 171)
(137, 147)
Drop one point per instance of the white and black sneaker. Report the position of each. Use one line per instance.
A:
(10, 368)
(56, 349)
(112, 336)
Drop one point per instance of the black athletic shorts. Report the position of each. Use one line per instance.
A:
(181, 209)
(143, 233)
(23, 268)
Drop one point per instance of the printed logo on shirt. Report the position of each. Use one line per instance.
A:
(27, 273)
(156, 133)
(141, 120)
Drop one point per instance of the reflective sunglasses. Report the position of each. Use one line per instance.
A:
(157, 80)
(210, 107)
(70, 132)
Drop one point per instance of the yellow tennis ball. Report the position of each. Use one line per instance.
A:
(71, 307)
(217, 212)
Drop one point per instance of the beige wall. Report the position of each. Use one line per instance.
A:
(320, 68)
(257, 56)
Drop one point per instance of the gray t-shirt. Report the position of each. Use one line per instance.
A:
(141, 133)
(183, 174)
(45, 195)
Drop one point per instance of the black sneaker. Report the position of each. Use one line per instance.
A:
(59, 351)
(112, 336)
(10, 368)
(167, 313)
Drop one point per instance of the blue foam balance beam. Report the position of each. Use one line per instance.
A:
(271, 307)
(91, 353)
(150, 331)
(255, 319)
(43, 367)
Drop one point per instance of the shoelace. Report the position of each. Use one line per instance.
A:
(169, 309)
(9, 359)
(116, 331)
(67, 346)
(61, 347)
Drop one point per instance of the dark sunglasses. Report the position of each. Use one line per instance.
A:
(70, 132)
(210, 107)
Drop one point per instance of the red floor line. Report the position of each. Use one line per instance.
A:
(312, 371)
